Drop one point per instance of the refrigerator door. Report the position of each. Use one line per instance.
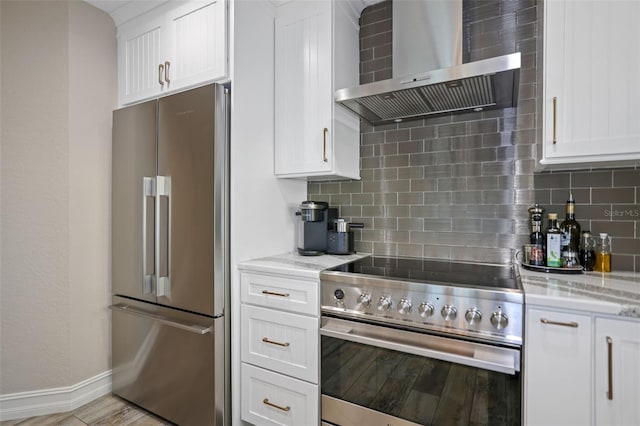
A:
(133, 201)
(191, 205)
(169, 362)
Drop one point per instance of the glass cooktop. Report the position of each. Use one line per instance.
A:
(433, 271)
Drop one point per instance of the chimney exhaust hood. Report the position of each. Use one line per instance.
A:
(427, 36)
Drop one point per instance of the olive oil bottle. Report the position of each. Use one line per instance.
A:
(554, 236)
(570, 228)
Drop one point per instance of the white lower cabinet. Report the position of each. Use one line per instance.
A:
(270, 398)
(617, 372)
(279, 349)
(581, 369)
(557, 368)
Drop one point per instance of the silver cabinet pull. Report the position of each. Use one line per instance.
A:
(273, 293)
(197, 329)
(555, 119)
(610, 366)
(279, 407)
(572, 324)
(160, 71)
(148, 240)
(324, 144)
(163, 235)
(266, 340)
(166, 72)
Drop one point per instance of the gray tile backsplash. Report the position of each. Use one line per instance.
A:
(458, 186)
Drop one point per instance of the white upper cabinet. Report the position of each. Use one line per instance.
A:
(591, 84)
(177, 45)
(317, 52)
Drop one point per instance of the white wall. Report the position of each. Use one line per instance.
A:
(262, 207)
(58, 87)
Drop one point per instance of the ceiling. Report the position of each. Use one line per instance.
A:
(124, 10)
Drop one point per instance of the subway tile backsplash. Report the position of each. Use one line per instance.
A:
(459, 186)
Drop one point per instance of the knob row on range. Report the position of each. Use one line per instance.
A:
(449, 313)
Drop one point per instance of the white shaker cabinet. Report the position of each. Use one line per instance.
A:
(317, 52)
(558, 354)
(177, 45)
(617, 372)
(591, 85)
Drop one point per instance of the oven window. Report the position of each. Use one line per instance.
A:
(418, 389)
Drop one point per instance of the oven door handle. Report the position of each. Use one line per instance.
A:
(488, 357)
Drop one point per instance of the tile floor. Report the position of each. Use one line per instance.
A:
(106, 410)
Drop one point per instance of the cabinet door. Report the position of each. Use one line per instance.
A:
(591, 84)
(197, 43)
(279, 292)
(140, 46)
(274, 399)
(557, 368)
(304, 95)
(617, 370)
(280, 341)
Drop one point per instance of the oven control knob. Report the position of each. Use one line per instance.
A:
(404, 307)
(384, 304)
(364, 300)
(448, 312)
(338, 294)
(499, 320)
(425, 309)
(473, 316)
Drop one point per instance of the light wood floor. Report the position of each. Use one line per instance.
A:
(106, 410)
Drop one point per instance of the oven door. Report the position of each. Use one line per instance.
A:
(376, 375)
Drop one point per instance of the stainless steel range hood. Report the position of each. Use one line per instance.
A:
(433, 80)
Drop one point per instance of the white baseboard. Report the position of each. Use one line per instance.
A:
(58, 400)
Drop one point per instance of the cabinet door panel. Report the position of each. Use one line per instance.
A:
(557, 369)
(622, 407)
(304, 95)
(197, 51)
(592, 60)
(275, 399)
(139, 56)
(280, 341)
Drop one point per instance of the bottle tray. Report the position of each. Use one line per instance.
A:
(552, 269)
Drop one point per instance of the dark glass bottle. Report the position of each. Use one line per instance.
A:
(570, 228)
(587, 251)
(537, 238)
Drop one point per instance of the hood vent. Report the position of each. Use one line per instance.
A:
(474, 86)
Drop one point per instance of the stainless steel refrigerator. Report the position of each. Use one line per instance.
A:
(170, 273)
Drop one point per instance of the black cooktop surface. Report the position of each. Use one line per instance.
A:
(433, 271)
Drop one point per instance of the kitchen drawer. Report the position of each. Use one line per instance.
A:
(280, 341)
(295, 402)
(279, 292)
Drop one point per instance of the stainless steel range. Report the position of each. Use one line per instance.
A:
(420, 341)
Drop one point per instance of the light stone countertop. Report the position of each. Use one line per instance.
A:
(297, 265)
(612, 293)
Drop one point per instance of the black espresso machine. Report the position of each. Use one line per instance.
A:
(321, 231)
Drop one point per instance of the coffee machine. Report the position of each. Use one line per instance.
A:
(316, 219)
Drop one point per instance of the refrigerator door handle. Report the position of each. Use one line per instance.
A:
(148, 237)
(163, 236)
(192, 328)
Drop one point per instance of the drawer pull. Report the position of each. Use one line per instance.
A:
(266, 340)
(610, 367)
(273, 293)
(555, 119)
(271, 404)
(572, 324)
